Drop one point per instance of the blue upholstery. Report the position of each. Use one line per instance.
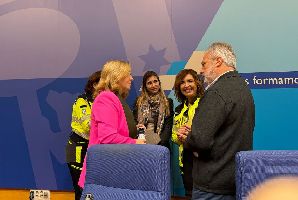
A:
(253, 167)
(128, 171)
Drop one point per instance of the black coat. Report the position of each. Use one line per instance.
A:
(222, 126)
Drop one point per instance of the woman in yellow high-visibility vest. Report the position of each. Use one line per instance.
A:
(188, 91)
(77, 144)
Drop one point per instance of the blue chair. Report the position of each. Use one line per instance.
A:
(127, 172)
(254, 167)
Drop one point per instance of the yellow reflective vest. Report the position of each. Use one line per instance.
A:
(184, 116)
(81, 115)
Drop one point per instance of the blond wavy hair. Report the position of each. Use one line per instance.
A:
(112, 72)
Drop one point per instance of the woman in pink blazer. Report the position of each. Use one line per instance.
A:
(111, 119)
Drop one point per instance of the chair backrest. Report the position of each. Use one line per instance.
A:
(129, 166)
(253, 167)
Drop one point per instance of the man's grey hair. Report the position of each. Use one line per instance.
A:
(223, 50)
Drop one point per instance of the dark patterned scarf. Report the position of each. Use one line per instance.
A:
(152, 111)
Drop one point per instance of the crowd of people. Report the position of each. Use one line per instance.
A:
(214, 120)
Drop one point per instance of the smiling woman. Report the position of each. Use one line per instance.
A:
(188, 91)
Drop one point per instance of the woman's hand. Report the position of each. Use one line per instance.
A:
(183, 132)
(141, 126)
(140, 141)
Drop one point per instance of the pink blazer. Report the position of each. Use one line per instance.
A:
(108, 124)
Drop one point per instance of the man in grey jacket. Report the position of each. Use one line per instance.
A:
(222, 126)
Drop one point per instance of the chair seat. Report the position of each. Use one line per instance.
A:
(110, 193)
(128, 172)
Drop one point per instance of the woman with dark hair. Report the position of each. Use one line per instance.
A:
(153, 111)
(80, 124)
(188, 91)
